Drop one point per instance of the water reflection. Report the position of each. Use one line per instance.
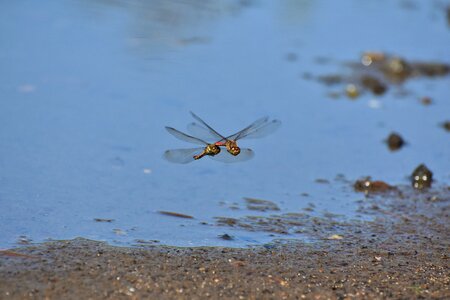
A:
(294, 12)
(164, 25)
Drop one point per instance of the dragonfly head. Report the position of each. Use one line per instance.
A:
(232, 147)
(234, 150)
(212, 149)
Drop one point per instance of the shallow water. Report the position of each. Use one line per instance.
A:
(88, 86)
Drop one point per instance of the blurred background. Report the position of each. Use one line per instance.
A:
(86, 88)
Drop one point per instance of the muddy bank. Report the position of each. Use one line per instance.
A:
(401, 254)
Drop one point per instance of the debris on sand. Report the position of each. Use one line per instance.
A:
(101, 220)
(146, 242)
(118, 231)
(14, 254)
(335, 237)
(260, 205)
(399, 253)
(322, 181)
(366, 185)
(396, 69)
(226, 237)
(373, 84)
(24, 240)
(377, 71)
(426, 101)
(175, 214)
(422, 177)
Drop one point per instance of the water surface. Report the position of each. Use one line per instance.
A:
(88, 86)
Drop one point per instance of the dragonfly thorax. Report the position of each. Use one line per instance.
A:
(212, 149)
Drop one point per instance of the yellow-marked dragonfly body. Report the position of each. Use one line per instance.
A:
(184, 156)
(211, 141)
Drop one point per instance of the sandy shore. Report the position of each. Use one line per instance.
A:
(402, 254)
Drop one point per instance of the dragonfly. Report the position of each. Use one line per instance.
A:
(212, 150)
(258, 129)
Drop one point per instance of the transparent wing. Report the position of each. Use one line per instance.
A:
(261, 131)
(182, 156)
(185, 137)
(203, 133)
(206, 125)
(258, 123)
(224, 156)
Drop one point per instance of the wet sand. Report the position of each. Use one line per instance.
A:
(402, 254)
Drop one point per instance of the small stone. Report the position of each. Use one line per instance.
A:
(446, 125)
(373, 84)
(335, 237)
(371, 57)
(397, 69)
(24, 240)
(426, 100)
(226, 237)
(422, 177)
(352, 91)
(367, 186)
(395, 141)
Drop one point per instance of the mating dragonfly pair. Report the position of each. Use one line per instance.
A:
(211, 140)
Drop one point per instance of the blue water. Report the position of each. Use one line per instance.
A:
(88, 86)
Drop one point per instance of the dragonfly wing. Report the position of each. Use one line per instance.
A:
(224, 156)
(258, 123)
(261, 131)
(206, 125)
(203, 133)
(182, 156)
(185, 137)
